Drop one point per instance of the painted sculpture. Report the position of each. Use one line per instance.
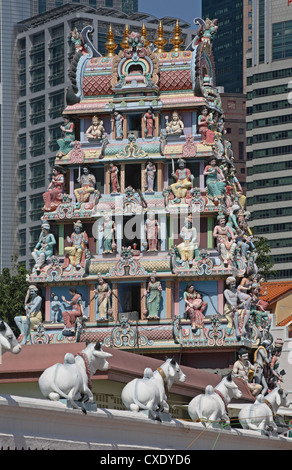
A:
(175, 126)
(87, 186)
(194, 307)
(72, 379)
(188, 249)
(8, 341)
(53, 196)
(118, 119)
(65, 143)
(235, 308)
(75, 254)
(70, 316)
(44, 248)
(150, 171)
(152, 232)
(108, 229)
(149, 123)
(114, 171)
(153, 297)
(150, 393)
(243, 369)
(183, 181)
(215, 180)
(96, 130)
(33, 317)
(225, 240)
(102, 293)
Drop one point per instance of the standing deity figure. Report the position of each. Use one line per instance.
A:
(108, 228)
(53, 196)
(118, 120)
(204, 124)
(152, 232)
(150, 171)
(176, 125)
(87, 181)
(194, 307)
(149, 123)
(75, 254)
(183, 181)
(188, 249)
(153, 295)
(243, 369)
(235, 310)
(44, 248)
(114, 171)
(65, 143)
(56, 309)
(226, 244)
(215, 180)
(103, 294)
(70, 316)
(96, 130)
(33, 317)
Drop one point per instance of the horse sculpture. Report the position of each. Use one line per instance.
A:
(211, 408)
(260, 415)
(150, 392)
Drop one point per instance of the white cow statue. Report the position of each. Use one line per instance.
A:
(150, 392)
(260, 415)
(72, 380)
(8, 341)
(211, 408)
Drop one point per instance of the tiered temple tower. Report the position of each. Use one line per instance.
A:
(144, 221)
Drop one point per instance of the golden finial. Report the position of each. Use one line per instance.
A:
(160, 41)
(144, 34)
(176, 40)
(124, 44)
(110, 44)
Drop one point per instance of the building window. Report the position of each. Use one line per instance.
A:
(38, 113)
(22, 242)
(282, 40)
(22, 211)
(261, 31)
(56, 104)
(22, 179)
(38, 146)
(22, 147)
(22, 115)
(38, 175)
(36, 207)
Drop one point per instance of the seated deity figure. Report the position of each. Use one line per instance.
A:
(205, 125)
(153, 295)
(243, 369)
(87, 181)
(103, 293)
(75, 254)
(152, 232)
(226, 241)
(176, 125)
(65, 143)
(44, 248)
(96, 130)
(194, 307)
(215, 180)
(33, 317)
(70, 316)
(235, 310)
(108, 228)
(188, 249)
(183, 181)
(53, 196)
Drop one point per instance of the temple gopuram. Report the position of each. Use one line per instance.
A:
(145, 244)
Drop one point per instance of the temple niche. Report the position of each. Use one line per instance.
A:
(150, 224)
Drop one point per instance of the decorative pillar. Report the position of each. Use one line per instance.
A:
(160, 176)
(210, 241)
(156, 128)
(220, 296)
(71, 184)
(163, 232)
(91, 309)
(176, 298)
(142, 233)
(107, 180)
(48, 304)
(61, 240)
(202, 177)
(119, 232)
(194, 123)
(143, 304)
(115, 303)
(143, 176)
(169, 299)
(122, 178)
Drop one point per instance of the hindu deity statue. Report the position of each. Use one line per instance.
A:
(75, 254)
(103, 294)
(188, 249)
(118, 120)
(96, 130)
(194, 307)
(70, 316)
(87, 181)
(205, 124)
(153, 295)
(176, 125)
(215, 181)
(65, 143)
(33, 317)
(44, 248)
(149, 123)
(183, 181)
(226, 241)
(243, 369)
(150, 171)
(152, 232)
(114, 171)
(234, 309)
(108, 229)
(53, 196)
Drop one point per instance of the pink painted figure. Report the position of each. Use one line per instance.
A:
(149, 122)
(52, 197)
(70, 317)
(151, 232)
(194, 306)
(113, 171)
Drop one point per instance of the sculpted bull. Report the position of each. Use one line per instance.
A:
(72, 380)
(260, 415)
(150, 392)
(211, 408)
(8, 341)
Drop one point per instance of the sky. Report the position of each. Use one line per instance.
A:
(186, 10)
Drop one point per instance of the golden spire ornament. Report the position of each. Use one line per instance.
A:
(176, 40)
(160, 41)
(124, 44)
(144, 34)
(110, 44)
